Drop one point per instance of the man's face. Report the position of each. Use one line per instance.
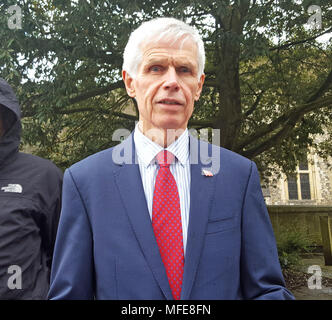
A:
(166, 85)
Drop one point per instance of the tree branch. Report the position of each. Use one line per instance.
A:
(101, 111)
(314, 102)
(201, 123)
(89, 109)
(267, 144)
(80, 97)
(255, 105)
(96, 92)
(290, 44)
(326, 84)
(290, 123)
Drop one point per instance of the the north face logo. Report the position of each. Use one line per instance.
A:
(16, 188)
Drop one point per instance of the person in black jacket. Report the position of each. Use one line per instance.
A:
(30, 202)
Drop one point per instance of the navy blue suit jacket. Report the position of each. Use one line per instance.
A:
(106, 248)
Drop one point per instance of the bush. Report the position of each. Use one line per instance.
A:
(290, 246)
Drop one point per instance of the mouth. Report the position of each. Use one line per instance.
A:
(170, 102)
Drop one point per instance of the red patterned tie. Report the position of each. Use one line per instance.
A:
(166, 222)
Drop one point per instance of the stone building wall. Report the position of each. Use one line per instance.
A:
(324, 176)
(320, 185)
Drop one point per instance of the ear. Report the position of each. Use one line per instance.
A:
(200, 87)
(129, 83)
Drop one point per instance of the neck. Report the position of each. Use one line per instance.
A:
(161, 136)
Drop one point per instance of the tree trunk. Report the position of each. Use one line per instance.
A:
(229, 93)
(231, 28)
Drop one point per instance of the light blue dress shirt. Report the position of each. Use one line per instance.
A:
(146, 151)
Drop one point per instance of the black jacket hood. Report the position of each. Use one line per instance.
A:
(10, 141)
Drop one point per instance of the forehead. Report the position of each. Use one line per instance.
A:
(182, 50)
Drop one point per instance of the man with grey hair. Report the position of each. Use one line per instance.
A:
(148, 219)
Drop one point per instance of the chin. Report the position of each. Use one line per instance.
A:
(172, 125)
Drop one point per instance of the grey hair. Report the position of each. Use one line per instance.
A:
(155, 30)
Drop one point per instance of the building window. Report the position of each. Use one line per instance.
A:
(292, 188)
(305, 186)
(299, 184)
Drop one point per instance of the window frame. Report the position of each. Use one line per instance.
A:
(311, 172)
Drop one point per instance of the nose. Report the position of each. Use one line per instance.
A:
(171, 80)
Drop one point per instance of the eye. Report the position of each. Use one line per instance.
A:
(184, 69)
(155, 68)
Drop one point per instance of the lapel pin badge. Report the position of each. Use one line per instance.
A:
(207, 173)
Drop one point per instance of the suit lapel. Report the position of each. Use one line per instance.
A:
(129, 183)
(201, 197)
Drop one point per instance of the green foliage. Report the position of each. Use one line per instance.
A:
(263, 67)
(291, 244)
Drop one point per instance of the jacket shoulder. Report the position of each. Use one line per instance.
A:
(29, 160)
(94, 162)
(235, 164)
(234, 158)
(107, 159)
(223, 158)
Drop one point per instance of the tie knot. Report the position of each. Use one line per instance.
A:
(165, 158)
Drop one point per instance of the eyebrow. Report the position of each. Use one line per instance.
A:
(184, 62)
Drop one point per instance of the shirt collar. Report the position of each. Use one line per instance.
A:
(147, 149)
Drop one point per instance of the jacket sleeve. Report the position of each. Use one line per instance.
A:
(49, 229)
(72, 266)
(260, 268)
